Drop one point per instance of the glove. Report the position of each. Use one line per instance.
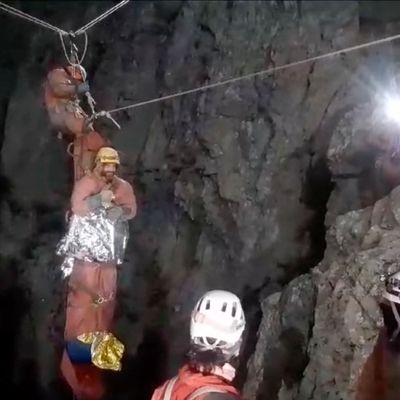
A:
(107, 196)
(114, 213)
(83, 88)
(94, 202)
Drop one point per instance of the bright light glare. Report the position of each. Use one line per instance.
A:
(392, 108)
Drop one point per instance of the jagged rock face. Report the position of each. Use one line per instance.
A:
(364, 147)
(364, 133)
(349, 290)
(222, 176)
(279, 359)
(346, 319)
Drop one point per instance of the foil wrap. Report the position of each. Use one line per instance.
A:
(66, 266)
(106, 349)
(93, 238)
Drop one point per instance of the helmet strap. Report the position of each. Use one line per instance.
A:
(227, 371)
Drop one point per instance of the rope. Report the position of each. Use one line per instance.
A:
(106, 115)
(100, 18)
(30, 18)
(44, 24)
(69, 59)
(259, 73)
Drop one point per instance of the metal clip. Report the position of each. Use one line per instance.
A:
(100, 300)
(71, 37)
(383, 277)
(91, 102)
(106, 114)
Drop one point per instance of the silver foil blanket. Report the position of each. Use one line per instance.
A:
(94, 238)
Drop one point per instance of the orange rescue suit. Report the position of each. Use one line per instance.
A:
(91, 185)
(67, 117)
(188, 382)
(88, 283)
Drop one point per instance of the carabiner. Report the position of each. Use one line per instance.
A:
(100, 300)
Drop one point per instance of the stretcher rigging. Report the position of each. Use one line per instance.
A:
(101, 205)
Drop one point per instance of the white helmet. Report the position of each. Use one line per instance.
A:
(218, 321)
(392, 289)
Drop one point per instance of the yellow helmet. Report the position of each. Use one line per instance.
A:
(107, 155)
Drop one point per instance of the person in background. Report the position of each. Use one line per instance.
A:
(63, 89)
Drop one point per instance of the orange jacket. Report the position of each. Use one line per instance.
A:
(188, 382)
(380, 375)
(90, 185)
(60, 91)
(59, 86)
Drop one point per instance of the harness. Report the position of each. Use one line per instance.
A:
(197, 393)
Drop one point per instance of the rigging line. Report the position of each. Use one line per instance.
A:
(100, 17)
(259, 73)
(84, 49)
(30, 18)
(44, 24)
(69, 59)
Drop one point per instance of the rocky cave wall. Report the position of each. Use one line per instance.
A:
(232, 183)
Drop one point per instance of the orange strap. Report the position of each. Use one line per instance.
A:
(197, 393)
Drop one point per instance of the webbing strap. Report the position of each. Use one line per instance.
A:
(170, 387)
(197, 393)
(204, 390)
(397, 317)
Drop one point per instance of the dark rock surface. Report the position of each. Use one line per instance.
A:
(232, 183)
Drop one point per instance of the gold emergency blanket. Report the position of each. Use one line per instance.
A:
(106, 349)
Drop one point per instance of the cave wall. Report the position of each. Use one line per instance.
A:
(232, 182)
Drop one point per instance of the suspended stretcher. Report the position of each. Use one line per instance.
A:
(93, 246)
(85, 313)
(90, 347)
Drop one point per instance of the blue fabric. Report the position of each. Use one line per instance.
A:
(78, 352)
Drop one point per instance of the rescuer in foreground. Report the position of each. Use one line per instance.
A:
(216, 329)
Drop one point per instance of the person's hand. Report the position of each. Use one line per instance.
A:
(107, 196)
